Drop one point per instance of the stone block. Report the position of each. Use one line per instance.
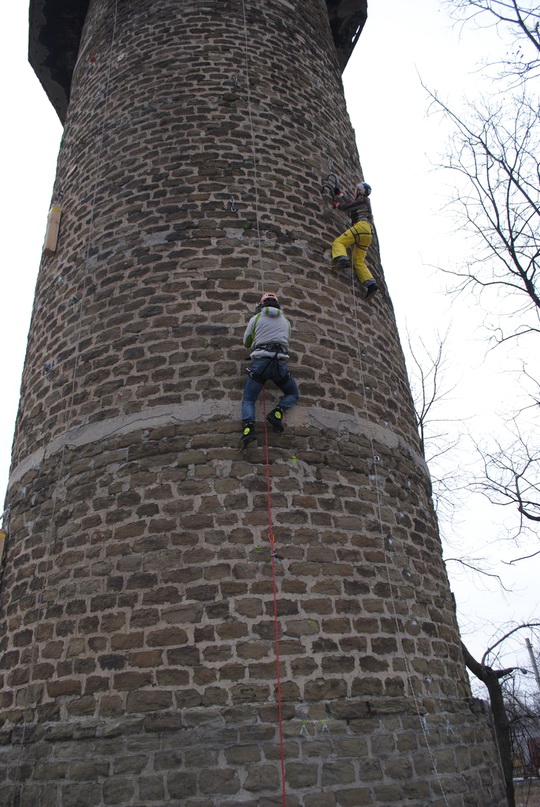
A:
(69, 686)
(301, 775)
(354, 797)
(242, 755)
(118, 790)
(145, 701)
(320, 800)
(181, 785)
(224, 781)
(89, 769)
(151, 788)
(167, 637)
(129, 764)
(132, 680)
(261, 777)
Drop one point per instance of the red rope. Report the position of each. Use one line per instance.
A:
(272, 540)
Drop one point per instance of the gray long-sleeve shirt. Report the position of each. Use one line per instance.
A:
(268, 327)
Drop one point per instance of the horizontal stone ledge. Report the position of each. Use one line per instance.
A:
(208, 411)
(202, 725)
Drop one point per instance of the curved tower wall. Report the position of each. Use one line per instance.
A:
(139, 590)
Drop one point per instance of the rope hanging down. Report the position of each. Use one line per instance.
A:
(272, 542)
(271, 537)
(252, 130)
(376, 460)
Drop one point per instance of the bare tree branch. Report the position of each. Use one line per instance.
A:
(511, 476)
(521, 19)
(494, 680)
(495, 153)
(507, 635)
(525, 557)
(478, 569)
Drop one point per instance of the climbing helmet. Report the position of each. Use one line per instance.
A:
(268, 299)
(363, 189)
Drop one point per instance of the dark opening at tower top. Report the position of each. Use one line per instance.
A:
(56, 28)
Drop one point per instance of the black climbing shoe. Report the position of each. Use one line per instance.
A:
(371, 288)
(275, 419)
(341, 263)
(248, 433)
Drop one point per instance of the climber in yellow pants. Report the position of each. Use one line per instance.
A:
(358, 237)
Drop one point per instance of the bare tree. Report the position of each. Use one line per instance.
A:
(431, 391)
(523, 711)
(495, 153)
(511, 478)
(493, 679)
(494, 157)
(498, 160)
(441, 438)
(427, 369)
(521, 20)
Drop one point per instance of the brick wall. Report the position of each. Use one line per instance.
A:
(139, 656)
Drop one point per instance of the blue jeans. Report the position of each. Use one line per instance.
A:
(269, 370)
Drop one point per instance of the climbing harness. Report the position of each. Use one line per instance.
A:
(259, 377)
(271, 346)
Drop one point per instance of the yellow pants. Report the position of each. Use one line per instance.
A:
(358, 237)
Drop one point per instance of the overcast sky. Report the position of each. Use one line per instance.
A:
(399, 146)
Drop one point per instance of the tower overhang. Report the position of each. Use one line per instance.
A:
(56, 28)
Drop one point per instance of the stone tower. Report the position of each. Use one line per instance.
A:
(155, 650)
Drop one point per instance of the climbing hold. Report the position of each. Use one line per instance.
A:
(51, 234)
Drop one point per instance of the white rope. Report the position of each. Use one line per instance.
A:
(399, 636)
(253, 140)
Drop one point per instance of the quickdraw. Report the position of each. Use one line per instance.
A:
(330, 184)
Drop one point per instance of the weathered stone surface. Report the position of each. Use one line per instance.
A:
(144, 615)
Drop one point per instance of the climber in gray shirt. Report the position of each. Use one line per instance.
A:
(267, 335)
